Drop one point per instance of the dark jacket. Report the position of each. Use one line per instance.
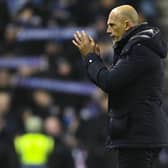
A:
(134, 85)
(61, 156)
(8, 157)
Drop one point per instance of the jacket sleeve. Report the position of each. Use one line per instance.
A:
(126, 71)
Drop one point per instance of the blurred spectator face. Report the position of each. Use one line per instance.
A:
(52, 126)
(10, 34)
(53, 48)
(28, 18)
(105, 47)
(100, 24)
(27, 113)
(108, 3)
(26, 71)
(107, 52)
(5, 100)
(97, 95)
(42, 98)
(4, 78)
(26, 15)
(100, 97)
(33, 124)
(64, 68)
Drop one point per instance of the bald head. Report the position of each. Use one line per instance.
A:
(120, 20)
(126, 12)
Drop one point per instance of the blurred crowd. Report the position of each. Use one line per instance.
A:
(43, 128)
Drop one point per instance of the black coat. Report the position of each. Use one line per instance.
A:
(92, 134)
(8, 156)
(61, 156)
(134, 85)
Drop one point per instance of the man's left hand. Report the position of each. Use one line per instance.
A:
(85, 43)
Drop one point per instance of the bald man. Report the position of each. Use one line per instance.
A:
(138, 127)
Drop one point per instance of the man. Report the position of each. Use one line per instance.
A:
(137, 124)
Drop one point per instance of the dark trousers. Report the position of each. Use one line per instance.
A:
(137, 158)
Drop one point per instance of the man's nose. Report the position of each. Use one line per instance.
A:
(107, 31)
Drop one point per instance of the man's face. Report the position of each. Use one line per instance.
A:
(115, 26)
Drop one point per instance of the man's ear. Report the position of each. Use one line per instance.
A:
(127, 25)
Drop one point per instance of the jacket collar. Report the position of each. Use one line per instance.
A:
(127, 35)
(131, 32)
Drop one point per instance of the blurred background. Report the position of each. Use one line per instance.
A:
(51, 116)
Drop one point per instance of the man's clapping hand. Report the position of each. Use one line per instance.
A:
(85, 43)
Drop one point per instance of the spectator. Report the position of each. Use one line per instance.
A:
(27, 17)
(8, 158)
(92, 134)
(61, 156)
(43, 104)
(33, 147)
